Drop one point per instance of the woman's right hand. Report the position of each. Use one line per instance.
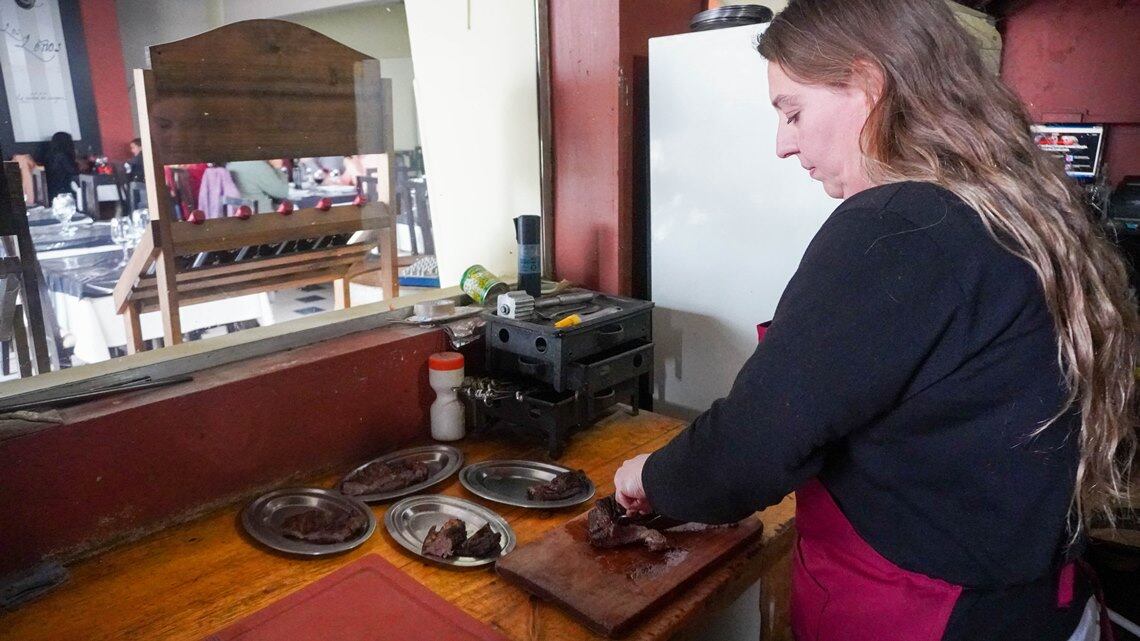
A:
(628, 490)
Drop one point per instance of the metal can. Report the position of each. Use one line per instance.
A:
(481, 285)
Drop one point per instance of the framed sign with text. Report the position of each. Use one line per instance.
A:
(46, 79)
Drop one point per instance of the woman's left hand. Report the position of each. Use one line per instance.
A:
(629, 491)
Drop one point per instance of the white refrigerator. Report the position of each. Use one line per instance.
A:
(729, 221)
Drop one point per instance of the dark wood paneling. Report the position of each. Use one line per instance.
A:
(232, 87)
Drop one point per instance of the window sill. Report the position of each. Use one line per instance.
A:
(187, 358)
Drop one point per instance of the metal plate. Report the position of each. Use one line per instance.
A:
(508, 481)
(409, 521)
(442, 461)
(263, 516)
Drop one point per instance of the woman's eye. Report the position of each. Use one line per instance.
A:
(793, 118)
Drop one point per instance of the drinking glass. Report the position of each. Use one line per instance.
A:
(63, 208)
(121, 235)
(140, 220)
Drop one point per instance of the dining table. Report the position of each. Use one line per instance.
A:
(308, 196)
(80, 270)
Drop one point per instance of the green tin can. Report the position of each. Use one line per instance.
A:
(481, 285)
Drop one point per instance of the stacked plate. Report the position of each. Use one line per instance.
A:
(730, 16)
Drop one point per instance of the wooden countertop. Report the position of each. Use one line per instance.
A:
(193, 579)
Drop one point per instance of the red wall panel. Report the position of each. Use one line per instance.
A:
(1078, 61)
(108, 82)
(123, 466)
(593, 45)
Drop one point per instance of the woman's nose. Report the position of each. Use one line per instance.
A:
(785, 143)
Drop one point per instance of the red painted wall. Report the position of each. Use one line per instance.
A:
(584, 104)
(1078, 61)
(593, 45)
(123, 466)
(108, 83)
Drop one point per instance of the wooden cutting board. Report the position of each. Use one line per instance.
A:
(610, 591)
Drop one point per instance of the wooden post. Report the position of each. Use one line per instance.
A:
(341, 296)
(134, 327)
(158, 201)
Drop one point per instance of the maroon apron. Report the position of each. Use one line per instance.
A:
(843, 589)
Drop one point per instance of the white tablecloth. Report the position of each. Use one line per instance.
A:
(96, 326)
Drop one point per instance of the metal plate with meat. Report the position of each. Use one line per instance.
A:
(528, 484)
(309, 521)
(449, 530)
(401, 473)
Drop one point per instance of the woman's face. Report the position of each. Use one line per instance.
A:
(821, 125)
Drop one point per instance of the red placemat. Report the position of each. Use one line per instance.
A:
(368, 600)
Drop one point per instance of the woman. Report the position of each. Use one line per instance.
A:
(947, 383)
(60, 166)
(260, 180)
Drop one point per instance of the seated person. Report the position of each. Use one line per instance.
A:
(27, 166)
(260, 180)
(60, 166)
(134, 167)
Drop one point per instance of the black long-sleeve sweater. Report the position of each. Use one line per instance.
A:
(908, 364)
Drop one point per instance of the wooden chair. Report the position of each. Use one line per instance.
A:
(39, 187)
(136, 195)
(88, 201)
(26, 324)
(249, 91)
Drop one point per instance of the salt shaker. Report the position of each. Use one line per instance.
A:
(445, 374)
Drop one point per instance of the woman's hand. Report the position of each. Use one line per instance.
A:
(629, 492)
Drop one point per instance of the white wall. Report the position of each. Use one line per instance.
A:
(381, 31)
(476, 95)
(147, 22)
(234, 10)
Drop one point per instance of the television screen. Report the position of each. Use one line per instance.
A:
(1078, 146)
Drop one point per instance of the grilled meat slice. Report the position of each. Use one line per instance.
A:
(604, 527)
(562, 486)
(385, 477)
(484, 544)
(444, 542)
(318, 526)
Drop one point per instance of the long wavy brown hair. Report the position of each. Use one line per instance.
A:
(943, 118)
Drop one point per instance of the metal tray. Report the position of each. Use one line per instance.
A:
(508, 481)
(442, 460)
(409, 521)
(263, 516)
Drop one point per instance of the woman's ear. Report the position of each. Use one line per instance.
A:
(868, 77)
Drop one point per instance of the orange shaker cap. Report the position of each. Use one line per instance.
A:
(445, 361)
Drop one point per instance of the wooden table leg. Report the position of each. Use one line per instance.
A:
(776, 591)
(134, 328)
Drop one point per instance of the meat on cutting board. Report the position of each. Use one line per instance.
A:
(606, 530)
